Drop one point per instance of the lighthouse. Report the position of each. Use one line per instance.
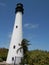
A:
(16, 38)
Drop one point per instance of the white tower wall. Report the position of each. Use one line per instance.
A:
(16, 39)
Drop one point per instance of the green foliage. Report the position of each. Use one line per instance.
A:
(3, 54)
(38, 57)
(34, 57)
(1, 59)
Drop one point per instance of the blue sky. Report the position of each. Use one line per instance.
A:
(35, 22)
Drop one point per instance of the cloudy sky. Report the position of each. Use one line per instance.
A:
(35, 22)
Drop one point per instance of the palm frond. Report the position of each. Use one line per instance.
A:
(19, 49)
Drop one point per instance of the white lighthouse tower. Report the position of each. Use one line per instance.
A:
(16, 38)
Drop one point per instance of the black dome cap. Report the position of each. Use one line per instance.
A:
(19, 8)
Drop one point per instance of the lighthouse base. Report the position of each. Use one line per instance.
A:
(15, 61)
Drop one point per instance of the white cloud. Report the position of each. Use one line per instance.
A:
(28, 25)
(35, 26)
(2, 4)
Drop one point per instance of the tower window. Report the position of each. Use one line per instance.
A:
(12, 58)
(16, 26)
(14, 46)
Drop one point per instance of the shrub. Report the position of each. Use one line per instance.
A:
(1, 59)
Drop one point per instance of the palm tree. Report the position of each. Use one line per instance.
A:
(24, 45)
